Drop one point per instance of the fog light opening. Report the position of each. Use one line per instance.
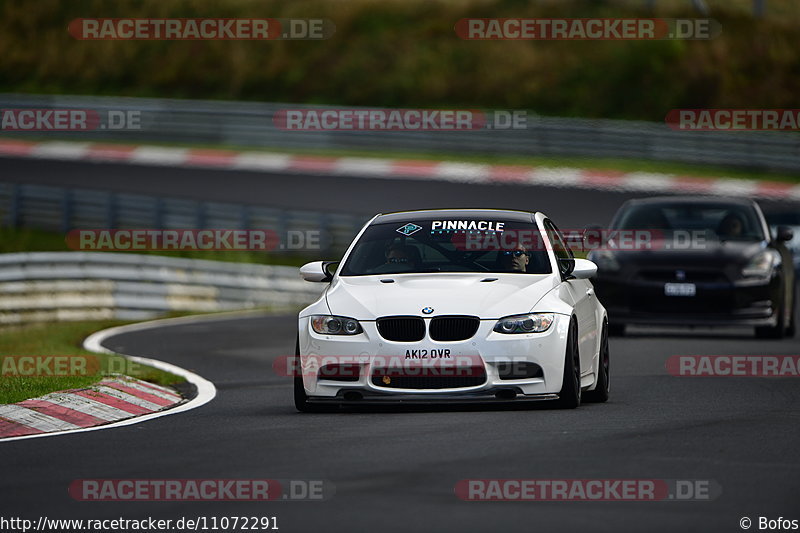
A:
(506, 394)
(353, 396)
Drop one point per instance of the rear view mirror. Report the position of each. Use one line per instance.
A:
(784, 233)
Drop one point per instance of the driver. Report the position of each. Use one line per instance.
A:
(515, 260)
(403, 254)
(731, 226)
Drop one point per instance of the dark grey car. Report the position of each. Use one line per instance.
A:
(702, 261)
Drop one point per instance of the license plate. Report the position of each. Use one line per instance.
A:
(680, 289)
(429, 353)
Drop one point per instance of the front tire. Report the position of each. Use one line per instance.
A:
(570, 395)
(300, 396)
(778, 330)
(301, 402)
(600, 392)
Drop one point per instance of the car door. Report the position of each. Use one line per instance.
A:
(581, 294)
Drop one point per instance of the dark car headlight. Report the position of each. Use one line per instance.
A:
(529, 323)
(605, 260)
(761, 265)
(335, 325)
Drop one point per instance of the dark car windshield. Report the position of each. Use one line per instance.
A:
(449, 245)
(783, 218)
(714, 220)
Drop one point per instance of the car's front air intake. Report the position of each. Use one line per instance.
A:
(429, 378)
(402, 328)
(454, 328)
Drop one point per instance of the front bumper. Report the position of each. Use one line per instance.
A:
(714, 304)
(493, 394)
(487, 349)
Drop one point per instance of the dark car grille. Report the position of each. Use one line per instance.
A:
(658, 303)
(399, 378)
(689, 276)
(454, 328)
(402, 328)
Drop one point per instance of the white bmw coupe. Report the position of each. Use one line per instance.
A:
(453, 305)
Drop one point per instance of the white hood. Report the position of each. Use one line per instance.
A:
(367, 298)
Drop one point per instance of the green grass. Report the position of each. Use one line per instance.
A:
(406, 54)
(62, 339)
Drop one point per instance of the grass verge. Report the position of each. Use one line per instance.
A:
(72, 367)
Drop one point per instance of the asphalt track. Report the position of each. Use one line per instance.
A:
(395, 470)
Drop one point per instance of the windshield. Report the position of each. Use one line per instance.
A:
(783, 219)
(449, 245)
(716, 221)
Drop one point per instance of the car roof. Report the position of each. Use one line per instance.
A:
(431, 214)
(724, 200)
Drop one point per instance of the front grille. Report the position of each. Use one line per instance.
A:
(656, 302)
(453, 328)
(402, 328)
(400, 378)
(690, 276)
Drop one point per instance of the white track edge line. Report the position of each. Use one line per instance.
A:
(206, 391)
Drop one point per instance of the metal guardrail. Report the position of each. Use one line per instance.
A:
(62, 209)
(251, 124)
(48, 286)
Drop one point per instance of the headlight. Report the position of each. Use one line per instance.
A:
(760, 266)
(604, 259)
(335, 325)
(532, 323)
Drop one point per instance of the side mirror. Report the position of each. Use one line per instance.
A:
(317, 271)
(593, 237)
(784, 233)
(566, 266)
(584, 269)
